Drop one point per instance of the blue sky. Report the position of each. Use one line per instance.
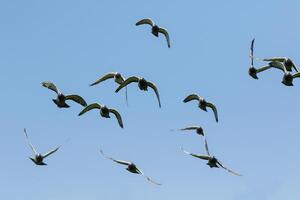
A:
(72, 43)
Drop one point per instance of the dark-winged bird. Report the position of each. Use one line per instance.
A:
(104, 112)
(38, 158)
(118, 78)
(60, 101)
(198, 129)
(131, 167)
(203, 104)
(143, 85)
(155, 29)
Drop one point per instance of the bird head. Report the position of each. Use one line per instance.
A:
(200, 131)
(288, 64)
(287, 79)
(104, 112)
(155, 30)
(143, 84)
(202, 105)
(253, 72)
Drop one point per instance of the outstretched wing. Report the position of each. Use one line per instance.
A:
(51, 86)
(261, 69)
(145, 21)
(227, 169)
(278, 65)
(105, 77)
(51, 152)
(204, 157)
(206, 146)
(165, 32)
(296, 75)
(90, 107)
(126, 82)
(279, 59)
(117, 161)
(213, 107)
(251, 51)
(191, 97)
(29, 142)
(156, 91)
(190, 128)
(147, 177)
(78, 99)
(118, 116)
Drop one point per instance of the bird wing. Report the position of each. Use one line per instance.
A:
(191, 97)
(118, 116)
(278, 65)
(206, 146)
(117, 161)
(156, 92)
(127, 81)
(204, 157)
(280, 59)
(190, 128)
(251, 51)
(261, 69)
(29, 142)
(105, 77)
(227, 169)
(78, 99)
(51, 86)
(90, 107)
(51, 152)
(213, 107)
(145, 21)
(147, 177)
(296, 75)
(165, 32)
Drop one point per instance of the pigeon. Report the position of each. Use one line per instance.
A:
(143, 85)
(212, 161)
(252, 70)
(155, 29)
(131, 167)
(60, 101)
(198, 129)
(118, 78)
(38, 159)
(104, 112)
(203, 104)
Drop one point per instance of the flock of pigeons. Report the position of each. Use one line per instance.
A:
(282, 63)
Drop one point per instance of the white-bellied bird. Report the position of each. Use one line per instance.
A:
(38, 158)
(131, 167)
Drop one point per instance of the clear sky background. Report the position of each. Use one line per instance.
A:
(72, 43)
